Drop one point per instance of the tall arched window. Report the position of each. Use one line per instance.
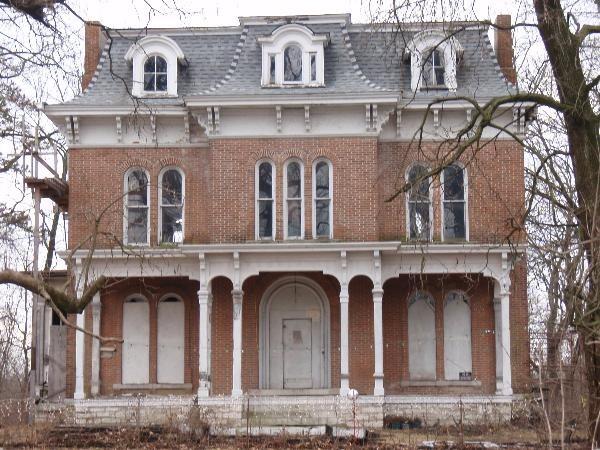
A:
(457, 337)
(454, 199)
(322, 199)
(265, 200)
(294, 200)
(292, 64)
(171, 198)
(155, 74)
(419, 204)
(137, 205)
(433, 69)
(135, 360)
(421, 336)
(170, 353)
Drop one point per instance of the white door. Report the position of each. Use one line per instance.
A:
(421, 337)
(297, 353)
(171, 341)
(136, 342)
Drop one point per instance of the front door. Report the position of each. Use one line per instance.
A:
(297, 353)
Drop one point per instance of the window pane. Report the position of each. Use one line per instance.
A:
(149, 65)
(419, 220)
(272, 69)
(313, 67)
(292, 63)
(137, 186)
(427, 69)
(137, 226)
(418, 192)
(161, 82)
(322, 217)
(172, 224)
(454, 220)
(294, 219)
(322, 179)
(293, 180)
(171, 188)
(265, 181)
(439, 76)
(265, 218)
(453, 183)
(148, 81)
(161, 64)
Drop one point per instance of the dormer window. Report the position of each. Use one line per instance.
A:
(155, 63)
(433, 60)
(293, 56)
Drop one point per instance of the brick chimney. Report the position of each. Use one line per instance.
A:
(94, 42)
(503, 44)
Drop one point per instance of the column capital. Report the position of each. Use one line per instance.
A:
(238, 295)
(377, 294)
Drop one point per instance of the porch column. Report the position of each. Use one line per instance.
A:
(378, 328)
(96, 317)
(498, 336)
(506, 361)
(344, 375)
(238, 296)
(204, 301)
(79, 353)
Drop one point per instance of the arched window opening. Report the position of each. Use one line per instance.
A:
(454, 203)
(419, 204)
(433, 69)
(421, 337)
(265, 200)
(294, 188)
(457, 337)
(292, 64)
(155, 74)
(170, 357)
(322, 200)
(171, 206)
(137, 207)
(135, 363)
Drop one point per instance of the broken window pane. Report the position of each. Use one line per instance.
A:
(171, 188)
(137, 226)
(137, 186)
(454, 220)
(292, 63)
(265, 218)
(294, 218)
(419, 221)
(172, 224)
(454, 183)
(418, 203)
(322, 218)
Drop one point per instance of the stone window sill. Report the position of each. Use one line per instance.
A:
(441, 383)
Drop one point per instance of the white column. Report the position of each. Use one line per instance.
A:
(506, 362)
(378, 328)
(344, 368)
(238, 296)
(204, 345)
(79, 356)
(96, 317)
(498, 336)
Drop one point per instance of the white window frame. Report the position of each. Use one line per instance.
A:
(314, 197)
(286, 199)
(432, 75)
(160, 205)
(257, 200)
(408, 202)
(468, 302)
(126, 207)
(466, 201)
(154, 91)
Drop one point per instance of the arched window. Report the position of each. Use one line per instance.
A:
(135, 360)
(265, 200)
(433, 69)
(322, 198)
(155, 74)
(292, 64)
(171, 197)
(170, 354)
(457, 337)
(454, 199)
(137, 205)
(294, 200)
(419, 204)
(421, 336)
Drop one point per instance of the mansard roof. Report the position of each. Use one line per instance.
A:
(360, 60)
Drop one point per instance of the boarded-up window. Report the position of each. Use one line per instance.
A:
(171, 341)
(457, 337)
(421, 336)
(136, 341)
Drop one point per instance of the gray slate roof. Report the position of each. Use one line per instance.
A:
(356, 62)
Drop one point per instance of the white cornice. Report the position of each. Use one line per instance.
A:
(66, 109)
(318, 98)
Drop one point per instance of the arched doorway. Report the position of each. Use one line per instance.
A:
(294, 329)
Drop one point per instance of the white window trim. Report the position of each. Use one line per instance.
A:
(466, 200)
(149, 46)
(314, 198)
(408, 201)
(126, 207)
(160, 205)
(285, 199)
(273, 199)
(468, 301)
(278, 41)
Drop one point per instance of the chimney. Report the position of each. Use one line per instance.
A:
(504, 47)
(94, 42)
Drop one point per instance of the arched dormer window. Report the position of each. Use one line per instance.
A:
(136, 224)
(171, 194)
(418, 208)
(293, 55)
(433, 60)
(155, 61)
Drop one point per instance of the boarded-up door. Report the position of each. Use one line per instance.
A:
(171, 341)
(136, 340)
(421, 337)
(297, 353)
(457, 336)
